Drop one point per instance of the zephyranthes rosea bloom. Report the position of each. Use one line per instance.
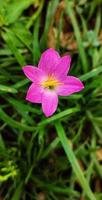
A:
(50, 79)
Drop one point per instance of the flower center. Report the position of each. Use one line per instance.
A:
(50, 83)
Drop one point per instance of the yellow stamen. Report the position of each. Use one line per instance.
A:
(51, 82)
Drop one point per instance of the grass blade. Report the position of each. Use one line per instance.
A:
(59, 116)
(14, 123)
(50, 13)
(70, 12)
(91, 74)
(9, 39)
(4, 88)
(71, 157)
(36, 46)
(17, 193)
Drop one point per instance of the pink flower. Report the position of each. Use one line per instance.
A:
(50, 79)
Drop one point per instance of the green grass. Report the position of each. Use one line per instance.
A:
(50, 158)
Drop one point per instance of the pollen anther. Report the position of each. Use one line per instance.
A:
(51, 82)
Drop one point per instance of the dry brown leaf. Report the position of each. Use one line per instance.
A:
(100, 37)
(82, 198)
(81, 165)
(99, 154)
(59, 10)
(41, 196)
(1, 198)
(68, 41)
(98, 186)
(51, 40)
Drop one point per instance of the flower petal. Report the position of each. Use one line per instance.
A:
(70, 85)
(63, 66)
(34, 93)
(49, 102)
(33, 73)
(48, 60)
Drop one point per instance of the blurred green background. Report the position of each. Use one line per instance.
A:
(59, 158)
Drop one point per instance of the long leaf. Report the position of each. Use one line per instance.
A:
(72, 159)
